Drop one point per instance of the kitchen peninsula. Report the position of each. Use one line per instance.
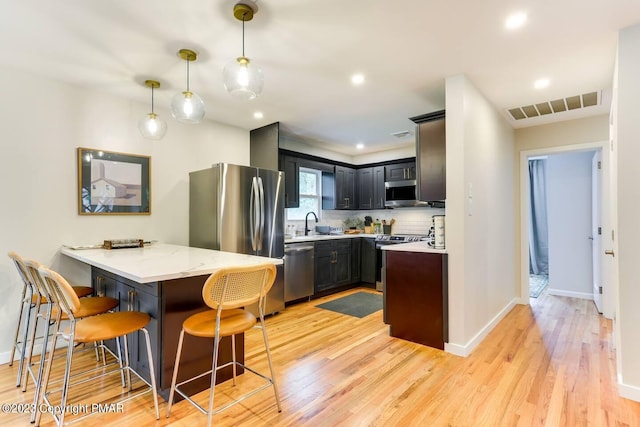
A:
(166, 282)
(415, 293)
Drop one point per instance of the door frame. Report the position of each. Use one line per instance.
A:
(608, 291)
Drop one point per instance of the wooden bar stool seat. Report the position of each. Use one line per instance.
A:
(225, 292)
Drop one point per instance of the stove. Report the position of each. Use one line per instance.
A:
(386, 239)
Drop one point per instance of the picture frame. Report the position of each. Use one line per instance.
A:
(112, 183)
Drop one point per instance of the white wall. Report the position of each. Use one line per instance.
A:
(480, 215)
(569, 218)
(43, 122)
(627, 153)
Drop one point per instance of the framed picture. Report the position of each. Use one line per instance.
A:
(113, 183)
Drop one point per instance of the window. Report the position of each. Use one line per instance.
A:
(310, 194)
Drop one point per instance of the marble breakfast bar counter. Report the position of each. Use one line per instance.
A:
(166, 282)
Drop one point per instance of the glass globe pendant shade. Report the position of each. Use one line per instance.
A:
(187, 107)
(152, 127)
(243, 79)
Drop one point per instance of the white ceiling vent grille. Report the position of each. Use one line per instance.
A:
(400, 134)
(556, 106)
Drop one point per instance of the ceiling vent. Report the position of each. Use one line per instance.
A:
(400, 134)
(556, 106)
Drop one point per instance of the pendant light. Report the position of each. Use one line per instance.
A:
(242, 78)
(152, 126)
(187, 107)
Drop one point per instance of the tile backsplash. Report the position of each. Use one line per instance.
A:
(408, 220)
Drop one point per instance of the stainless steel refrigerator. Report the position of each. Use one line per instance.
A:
(240, 209)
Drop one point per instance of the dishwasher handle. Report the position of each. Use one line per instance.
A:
(295, 249)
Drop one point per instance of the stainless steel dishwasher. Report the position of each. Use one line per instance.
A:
(298, 271)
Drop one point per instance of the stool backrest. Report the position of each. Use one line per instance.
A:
(31, 267)
(60, 291)
(22, 271)
(235, 287)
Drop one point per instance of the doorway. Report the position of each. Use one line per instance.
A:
(560, 242)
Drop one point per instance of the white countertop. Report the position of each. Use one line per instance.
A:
(161, 261)
(316, 237)
(413, 247)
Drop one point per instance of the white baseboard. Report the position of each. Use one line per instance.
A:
(628, 391)
(466, 349)
(561, 293)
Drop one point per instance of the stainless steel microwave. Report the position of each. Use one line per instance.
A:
(400, 193)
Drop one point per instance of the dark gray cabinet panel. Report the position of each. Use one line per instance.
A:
(378, 187)
(291, 167)
(356, 252)
(333, 264)
(400, 171)
(345, 184)
(368, 260)
(264, 141)
(365, 188)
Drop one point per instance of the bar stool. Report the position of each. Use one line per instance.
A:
(226, 291)
(89, 306)
(30, 305)
(114, 325)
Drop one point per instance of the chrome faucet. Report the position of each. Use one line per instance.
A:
(306, 225)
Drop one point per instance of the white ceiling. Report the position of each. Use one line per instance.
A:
(309, 49)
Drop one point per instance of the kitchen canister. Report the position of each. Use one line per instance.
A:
(438, 231)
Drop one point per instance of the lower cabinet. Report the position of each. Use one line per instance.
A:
(368, 260)
(415, 297)
(133, 297)
(333, 264)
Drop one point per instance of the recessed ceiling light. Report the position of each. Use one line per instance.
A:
(360, 146)
(515, 20)
(357, 79)
(258, 115)
(541, 83)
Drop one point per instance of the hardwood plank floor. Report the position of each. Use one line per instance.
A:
(551, 363)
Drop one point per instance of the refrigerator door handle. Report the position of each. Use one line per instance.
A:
(261, 215)
(253, 212)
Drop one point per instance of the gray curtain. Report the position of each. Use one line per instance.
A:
(538, 229)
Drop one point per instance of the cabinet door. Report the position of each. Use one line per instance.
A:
(368, 260)
(323, 263)
(378, 187)
(342, 262)
(365, 188)
(432, 160)
(345, 183)
(145, 303)
(291, 168)
(398, 172)
(355, 260)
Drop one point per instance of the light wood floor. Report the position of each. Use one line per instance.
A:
(551, 363)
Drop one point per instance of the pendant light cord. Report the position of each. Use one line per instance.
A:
(188, 74)
(243, 33)
(152, 89)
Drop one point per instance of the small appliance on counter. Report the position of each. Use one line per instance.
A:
(438, 231)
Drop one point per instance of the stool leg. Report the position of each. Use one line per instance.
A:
(122, 380)
(233, 357)
(214, 371)
(26, 331)
(273, 376)
(29, 352)
(175, 373)
(126, 360)
(43, 361)
(44, 374)
(152, 372)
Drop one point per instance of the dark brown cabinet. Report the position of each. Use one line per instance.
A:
(415, 297)
(431, 156)
(400, 171)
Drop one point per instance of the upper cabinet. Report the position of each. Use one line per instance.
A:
(263, 144)
(370, 182)
(345, 188)
(431, 156)
(291, 167)
(400, 171)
